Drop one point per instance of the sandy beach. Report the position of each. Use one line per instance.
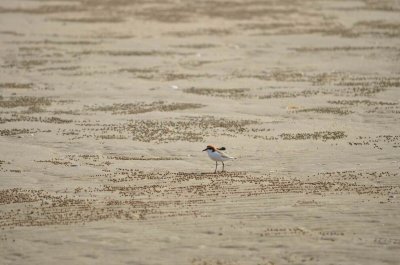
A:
(106, 106)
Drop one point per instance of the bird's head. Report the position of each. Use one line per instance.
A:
(211, 148)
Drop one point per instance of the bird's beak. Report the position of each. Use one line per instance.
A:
(205, 150)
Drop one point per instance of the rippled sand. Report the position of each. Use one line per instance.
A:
(106, 105)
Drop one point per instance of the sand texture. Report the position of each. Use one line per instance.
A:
(106, 106)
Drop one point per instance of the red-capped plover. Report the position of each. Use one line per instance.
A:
(216, 154)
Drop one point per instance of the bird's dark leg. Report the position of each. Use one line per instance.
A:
(223, 166)
(216, 164)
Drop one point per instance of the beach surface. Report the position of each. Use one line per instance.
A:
(106, 106)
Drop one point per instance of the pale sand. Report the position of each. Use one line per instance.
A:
(106, 106)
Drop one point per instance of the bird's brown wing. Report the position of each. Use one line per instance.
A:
(223, 155)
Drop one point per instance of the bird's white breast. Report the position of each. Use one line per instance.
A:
(215, 156)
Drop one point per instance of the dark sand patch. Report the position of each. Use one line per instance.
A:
(141, 107)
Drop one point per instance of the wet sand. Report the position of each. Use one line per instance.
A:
(106, 107)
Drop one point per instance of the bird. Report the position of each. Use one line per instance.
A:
(216, 154)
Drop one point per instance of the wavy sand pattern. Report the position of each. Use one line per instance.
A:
(105, 106)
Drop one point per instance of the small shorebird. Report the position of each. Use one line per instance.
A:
(216, 154)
